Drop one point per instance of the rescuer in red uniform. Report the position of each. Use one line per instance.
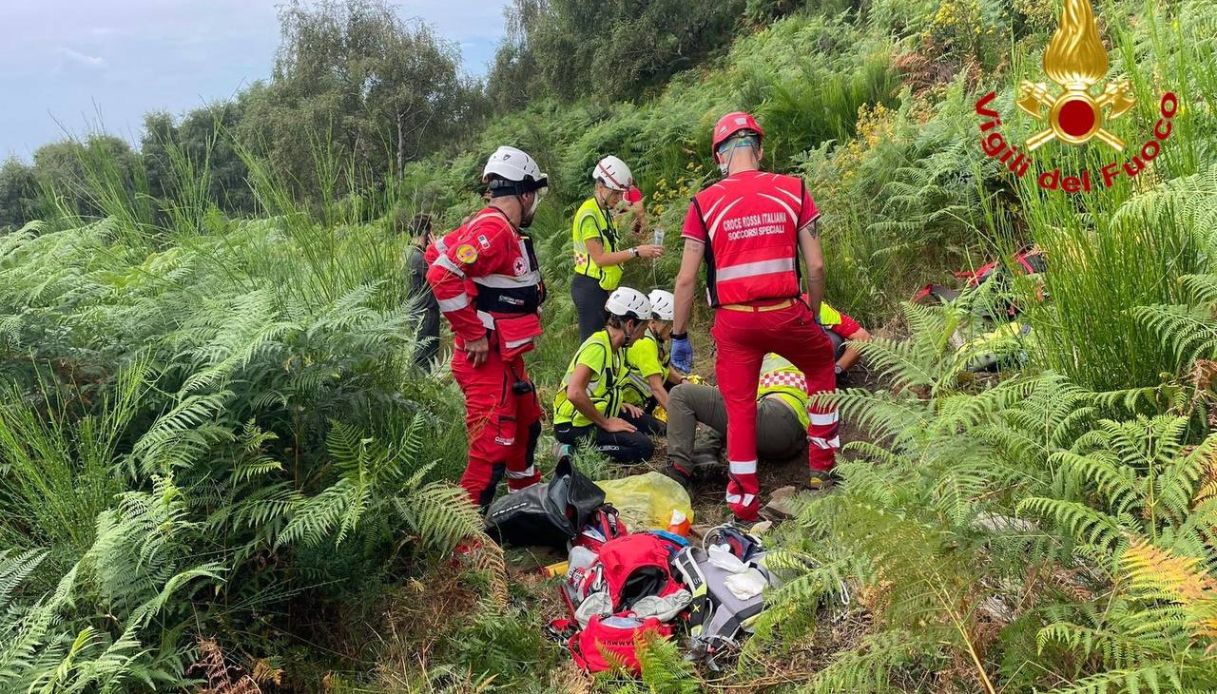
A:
(750, 228)
(488, 285)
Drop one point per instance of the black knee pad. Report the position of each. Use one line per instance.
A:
(487, 495)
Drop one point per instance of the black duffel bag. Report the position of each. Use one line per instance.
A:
(545, 515)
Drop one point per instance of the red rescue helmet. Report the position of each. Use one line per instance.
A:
(731, 124)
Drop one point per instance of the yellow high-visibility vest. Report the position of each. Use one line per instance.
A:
(783, 380)
(591, 222)
(604, 389)
(829, 316)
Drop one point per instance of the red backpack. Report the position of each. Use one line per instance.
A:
(628, 568)
(613, 640)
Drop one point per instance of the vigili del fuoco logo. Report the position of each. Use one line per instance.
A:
(1076, 61)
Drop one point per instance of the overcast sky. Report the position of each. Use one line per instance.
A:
(68, 64)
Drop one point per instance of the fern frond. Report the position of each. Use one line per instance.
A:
(1084, 523)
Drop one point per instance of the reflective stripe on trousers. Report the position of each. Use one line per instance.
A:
(522, 474)
(745, 500)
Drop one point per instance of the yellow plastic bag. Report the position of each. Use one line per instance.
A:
(646, 502)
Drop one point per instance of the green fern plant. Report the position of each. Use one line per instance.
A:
(375, 481)
(95, 630)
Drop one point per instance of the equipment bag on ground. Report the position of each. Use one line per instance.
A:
(717, 615)
(545, 515)
(610, 641)
(631, 576)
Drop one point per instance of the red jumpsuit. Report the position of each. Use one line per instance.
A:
(487, 282)
(749, 222)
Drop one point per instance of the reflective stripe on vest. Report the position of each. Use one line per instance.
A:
(603, 391)
(528, 279)
(638, 384)
(752, 242)
(610, 277)
(763, 267)
(517, 294)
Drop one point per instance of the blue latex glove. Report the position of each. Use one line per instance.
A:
(682, 354)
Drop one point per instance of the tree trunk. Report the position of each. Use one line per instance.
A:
(401, 142)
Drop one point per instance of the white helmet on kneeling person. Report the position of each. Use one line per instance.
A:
(628, 303)
(663, 304)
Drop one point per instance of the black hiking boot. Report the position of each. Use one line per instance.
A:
(680, 474)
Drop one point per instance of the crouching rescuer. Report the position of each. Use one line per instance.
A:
(589, 405)
(751, 228)
(488, 285)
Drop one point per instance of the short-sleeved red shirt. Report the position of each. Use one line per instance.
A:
(633, 195)
(742, 185)
(847, 327)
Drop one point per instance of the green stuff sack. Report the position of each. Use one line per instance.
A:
(646, 502)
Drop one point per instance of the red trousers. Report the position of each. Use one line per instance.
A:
(503, 426)
(744, 338)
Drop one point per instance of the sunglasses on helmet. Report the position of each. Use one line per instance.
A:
(739, 139)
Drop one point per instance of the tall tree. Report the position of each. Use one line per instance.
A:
(356, 79)
(18, 194)
(88, 178)
(576, 48)
(202, 143)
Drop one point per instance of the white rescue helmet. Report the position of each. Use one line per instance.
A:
(613, 173)
(628, 303)
(663, 304)
(508, 166)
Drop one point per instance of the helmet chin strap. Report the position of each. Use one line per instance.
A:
(725, 166)
(532, 209)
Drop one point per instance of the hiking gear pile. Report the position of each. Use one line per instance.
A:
(624, 586)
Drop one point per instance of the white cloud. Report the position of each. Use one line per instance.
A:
(123, 58)
(82, 58)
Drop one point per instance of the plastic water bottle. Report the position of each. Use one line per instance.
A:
(657, 236)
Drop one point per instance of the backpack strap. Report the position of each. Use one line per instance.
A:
(691, 573)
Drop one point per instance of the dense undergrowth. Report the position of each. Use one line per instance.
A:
(214, 451)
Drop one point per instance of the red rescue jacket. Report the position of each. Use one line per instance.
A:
(485, 277)
(749, 222)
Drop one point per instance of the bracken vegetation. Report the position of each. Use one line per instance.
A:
(220, 472)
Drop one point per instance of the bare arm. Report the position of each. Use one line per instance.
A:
(657, 389)
(851, 354)
(595, 249)
(576, 392)
(813, 258)
(686, 280)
